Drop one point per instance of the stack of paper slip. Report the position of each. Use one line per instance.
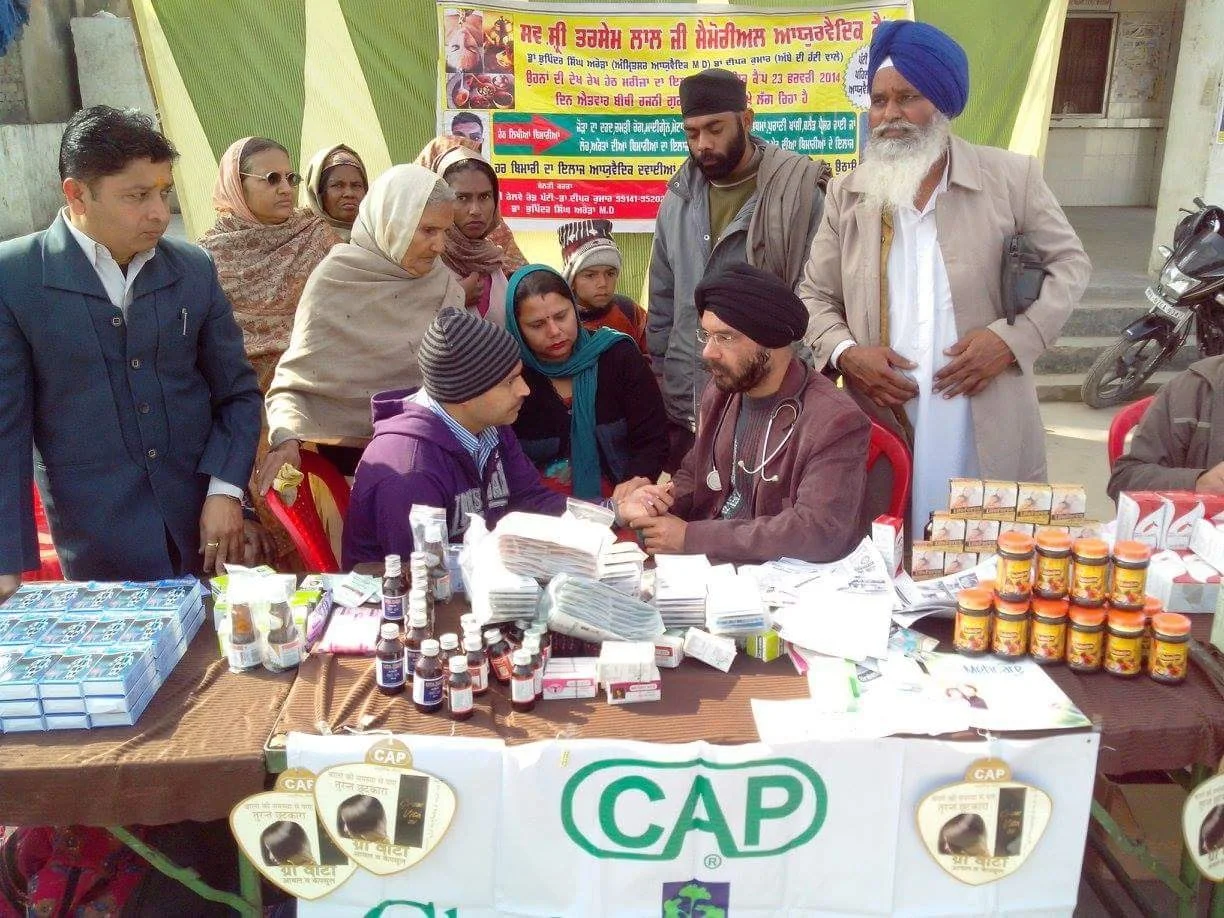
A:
(621, 566)
(680, 589)
(544, 546)
(626, 661)
(495, 593)
(733, 603)
(593, 611)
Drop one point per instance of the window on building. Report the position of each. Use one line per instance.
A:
(1082, 84)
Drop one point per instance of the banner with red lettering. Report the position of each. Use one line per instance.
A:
(577, 107)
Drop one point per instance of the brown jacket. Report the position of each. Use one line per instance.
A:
(991, 194)
(812, 511)
(1176, 441)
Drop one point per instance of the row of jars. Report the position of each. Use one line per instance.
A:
(1086, 638)
(1052, 566)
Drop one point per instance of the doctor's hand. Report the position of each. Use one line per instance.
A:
(290, 451)
(8, 585)
(626, 488)
(977, 358)
(221, 537)
(873, 371)
(663, 535)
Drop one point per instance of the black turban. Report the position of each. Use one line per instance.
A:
(712, 92)
(754, 303)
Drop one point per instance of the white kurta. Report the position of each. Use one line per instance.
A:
(921, 326)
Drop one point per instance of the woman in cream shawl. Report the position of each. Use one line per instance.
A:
(336, 181)
(263, 246)
(361, 319)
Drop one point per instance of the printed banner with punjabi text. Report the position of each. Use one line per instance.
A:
(578, 112)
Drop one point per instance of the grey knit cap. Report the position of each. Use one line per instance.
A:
(463, 356)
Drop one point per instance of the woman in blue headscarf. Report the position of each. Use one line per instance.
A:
(594, 419)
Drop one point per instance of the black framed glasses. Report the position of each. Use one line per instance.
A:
(275, 178)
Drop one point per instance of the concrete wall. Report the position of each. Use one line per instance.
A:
(30, 192)
(1115, 159)
(1194, 160)
(109, 68)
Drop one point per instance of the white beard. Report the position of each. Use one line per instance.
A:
(893, 167)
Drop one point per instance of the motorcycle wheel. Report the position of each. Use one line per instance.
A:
(1120, 370)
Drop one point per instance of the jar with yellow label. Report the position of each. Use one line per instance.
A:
(1124, 643)
(1049, 641)
(1170, 657)
(1014, 573)
(1130, 568)
(1053, 575)
(1086, 639)
(1011, 629)
(1089, 572)
(971, 632)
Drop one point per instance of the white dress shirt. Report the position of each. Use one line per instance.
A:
(118, 286)
(922, 324)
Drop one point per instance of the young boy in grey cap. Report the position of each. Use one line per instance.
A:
(592, 266)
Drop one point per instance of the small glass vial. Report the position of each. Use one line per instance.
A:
(500, 662)
(1048, 644)
(1170, 659)
(1086, 639)
(283, 646)
(531, 644)
(389, 661)
(971, 633)
(243, 644)
(1124, 643)
(1089, 572)
(1011, 629)
(459, 689)
(417, 634)
(394, 591)
(1130, 569)
(1053, 565)
(1014, 570)
(478, 663)
(449, 643)
(428, 680)
(522, 683)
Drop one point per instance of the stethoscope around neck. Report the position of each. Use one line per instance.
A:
(713, 479)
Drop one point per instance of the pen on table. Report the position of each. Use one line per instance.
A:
(184, 312)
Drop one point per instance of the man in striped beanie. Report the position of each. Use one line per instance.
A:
(447, 444)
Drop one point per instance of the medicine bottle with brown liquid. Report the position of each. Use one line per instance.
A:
(522, 683)
(389, 661)
(428, 681)
(459, 689)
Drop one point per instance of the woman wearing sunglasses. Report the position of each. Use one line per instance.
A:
(265, 249)
(264, 246)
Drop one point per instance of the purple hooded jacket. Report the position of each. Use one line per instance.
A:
(415, 459)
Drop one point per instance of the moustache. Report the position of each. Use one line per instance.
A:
(900, 124)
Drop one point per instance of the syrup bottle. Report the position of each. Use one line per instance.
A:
(428, 680)
(459, 689)
(478, 663)
(522, 683)
(499, 655)
(389, 661)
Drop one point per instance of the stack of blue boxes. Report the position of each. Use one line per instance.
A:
(82, 655)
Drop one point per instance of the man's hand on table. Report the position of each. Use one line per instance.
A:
(1211, 481)
(221, 536)
(8, 585)
(664, 535)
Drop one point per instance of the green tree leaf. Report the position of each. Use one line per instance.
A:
(671, 908)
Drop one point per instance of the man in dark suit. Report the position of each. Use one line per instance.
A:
(124, 369)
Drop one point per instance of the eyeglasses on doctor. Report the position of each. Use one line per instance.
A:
(722, 339)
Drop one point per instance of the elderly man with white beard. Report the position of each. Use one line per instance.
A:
(903, 282)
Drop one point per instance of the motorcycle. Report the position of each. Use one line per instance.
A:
(1189, 291)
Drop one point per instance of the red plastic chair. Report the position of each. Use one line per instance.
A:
(1122, 424)
(302, 520)
(49, 563)
(886, 443)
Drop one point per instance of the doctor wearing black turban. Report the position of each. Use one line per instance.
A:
(778, 466)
